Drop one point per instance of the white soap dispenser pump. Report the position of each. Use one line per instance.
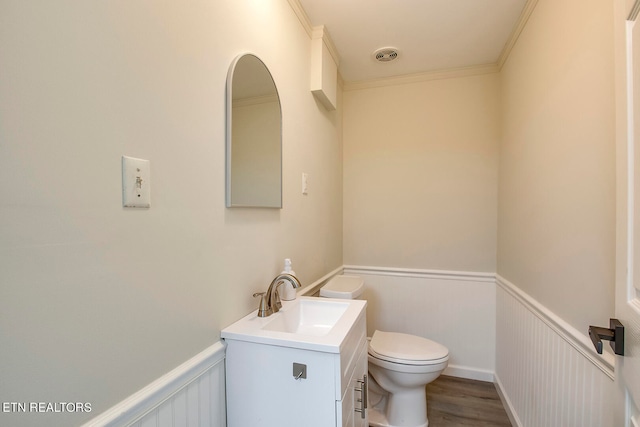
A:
(287, 292)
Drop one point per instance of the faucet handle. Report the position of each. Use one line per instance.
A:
(263, 310)
(277, 298)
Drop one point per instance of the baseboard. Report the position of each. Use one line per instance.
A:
(506, 402)
(469, 373)
(195, 386)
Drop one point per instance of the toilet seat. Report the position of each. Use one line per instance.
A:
(406, 349)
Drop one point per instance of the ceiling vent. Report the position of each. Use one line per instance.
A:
(385, 54)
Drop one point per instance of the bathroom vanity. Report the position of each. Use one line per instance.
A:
(305, 365)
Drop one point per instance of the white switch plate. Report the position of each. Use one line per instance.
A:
(305, 183)
(136, 183)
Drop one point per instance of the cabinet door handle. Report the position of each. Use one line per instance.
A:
(363, 389)
(365, 392)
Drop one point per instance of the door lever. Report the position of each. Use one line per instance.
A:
(615, 334)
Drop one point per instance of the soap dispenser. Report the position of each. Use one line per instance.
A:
(287, 292)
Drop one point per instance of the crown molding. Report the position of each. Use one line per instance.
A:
(527, 10)
(635, 10)
(423, 77)
(302, 16)
(309, 28)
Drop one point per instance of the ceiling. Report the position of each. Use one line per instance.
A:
(430, 35)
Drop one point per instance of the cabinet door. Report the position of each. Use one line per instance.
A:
(352, 409)
(361, 392)
(262, 391)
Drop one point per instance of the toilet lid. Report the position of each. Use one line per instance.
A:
(404, 348)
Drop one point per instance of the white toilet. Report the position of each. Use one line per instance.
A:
(400, 366)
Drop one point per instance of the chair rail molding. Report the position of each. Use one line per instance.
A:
(568, 333)
(421, 273)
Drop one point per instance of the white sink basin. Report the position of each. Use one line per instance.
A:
(308, 317)
(310, 323)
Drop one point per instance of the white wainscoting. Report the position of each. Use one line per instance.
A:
(547, 372)
(193, 394)
(456, 309)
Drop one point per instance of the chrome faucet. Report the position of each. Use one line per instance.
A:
(270, 301)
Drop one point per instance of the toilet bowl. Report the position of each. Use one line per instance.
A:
(400, 367)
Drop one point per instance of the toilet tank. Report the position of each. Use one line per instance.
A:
(345, 287)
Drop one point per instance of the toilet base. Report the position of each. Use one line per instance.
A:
(379, 410)
(377, 419)
(403, 387)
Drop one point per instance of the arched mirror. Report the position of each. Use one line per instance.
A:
(254, 136)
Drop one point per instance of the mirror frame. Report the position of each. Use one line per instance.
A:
(229, 132)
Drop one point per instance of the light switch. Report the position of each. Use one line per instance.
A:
(305, 183)
(136, 183)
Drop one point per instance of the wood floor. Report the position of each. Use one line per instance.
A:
(453, 402)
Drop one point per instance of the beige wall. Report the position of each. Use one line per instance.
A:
(420, 174)
(97, 301)
(557, 165)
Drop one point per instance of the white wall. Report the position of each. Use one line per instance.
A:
(97, 301)
(547, 371)
(420, 174)
(455, 310)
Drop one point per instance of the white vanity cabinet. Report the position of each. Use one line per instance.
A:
(263, 391)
